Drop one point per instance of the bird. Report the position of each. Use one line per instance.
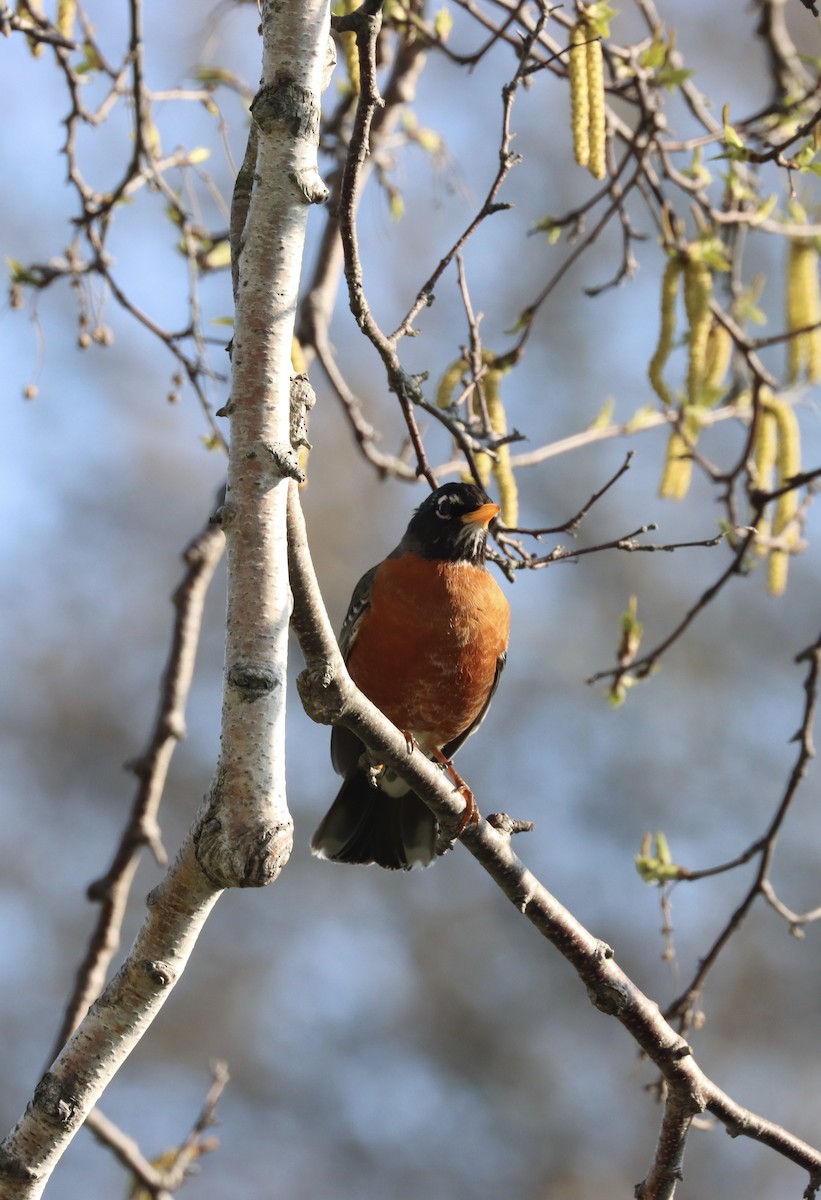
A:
(425, 638)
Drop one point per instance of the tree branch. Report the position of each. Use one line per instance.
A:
(329, 697)
(111, 891)
(244, 836)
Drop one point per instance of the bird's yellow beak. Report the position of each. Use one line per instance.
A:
(482, 515)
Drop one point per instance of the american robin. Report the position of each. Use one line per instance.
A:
(425, 638)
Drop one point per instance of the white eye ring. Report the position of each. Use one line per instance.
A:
(443, 507)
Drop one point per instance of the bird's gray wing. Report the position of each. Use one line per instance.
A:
(346, 748)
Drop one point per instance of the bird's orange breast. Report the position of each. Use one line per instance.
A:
(427, 650)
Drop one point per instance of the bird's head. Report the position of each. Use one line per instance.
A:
(451, 524)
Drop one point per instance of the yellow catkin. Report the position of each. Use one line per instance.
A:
(482, 462)
(347, 42)
(487, 464)
(502, 470)
(777, 570)
(803, 308)
(698, 291)
(444, 398)
(788, 464)
(298, 363)
(66, 13)
(764, 456)
(350, 53)
(579, 95)
(717, 359)
(449, 382)
(25, 10)
(678, 470)
(597, 134)
(678, 465)
(669, 295)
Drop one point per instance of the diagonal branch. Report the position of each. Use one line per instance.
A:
(201, 556)
(330, 696)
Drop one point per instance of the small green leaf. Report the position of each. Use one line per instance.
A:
(443, 24)
(429, 140)
(604, 416)
(670, 77)
(655, 55)
(599, 16)
(90, 62)
(654, 862)
(550, 228)
(218, 257)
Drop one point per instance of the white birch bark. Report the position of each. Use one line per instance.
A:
(245, 832)
(242, 836)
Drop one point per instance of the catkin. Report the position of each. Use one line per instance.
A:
(497, 463)
(698, 291)
(717, 360)
(766, 448)
(597, 136)
(448, 383)
(788, 463)
(669, 295)
(66, 13)
(585, 70)
(784, 432)
(764, 456)
(678, 465)
(803, 308)
(579, 93)
(502, 470)
(34, 7)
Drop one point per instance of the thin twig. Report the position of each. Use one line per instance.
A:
(681, 1009)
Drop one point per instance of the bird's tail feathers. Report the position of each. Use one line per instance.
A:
(364, 825)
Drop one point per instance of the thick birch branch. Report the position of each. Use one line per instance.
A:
(242, 835)
(245, 833)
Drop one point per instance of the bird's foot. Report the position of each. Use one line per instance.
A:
(470, 816)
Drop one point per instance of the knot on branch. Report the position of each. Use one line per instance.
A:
(321, 693)
(285, 462)
(55, 1102)
(250, 856)
(310, 185)
(609, 997)
(252, 680)
(286, 104)
(507, 825)
(303, 399)
(161, 974)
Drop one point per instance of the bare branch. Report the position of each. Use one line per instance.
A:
(682, 1008)
(111, 891)
(330, 696)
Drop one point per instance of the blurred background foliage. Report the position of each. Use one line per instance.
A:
(385, 1034)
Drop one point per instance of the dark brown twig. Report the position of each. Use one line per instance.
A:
(682, 1008)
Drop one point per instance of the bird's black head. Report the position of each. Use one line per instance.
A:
(451, 525)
